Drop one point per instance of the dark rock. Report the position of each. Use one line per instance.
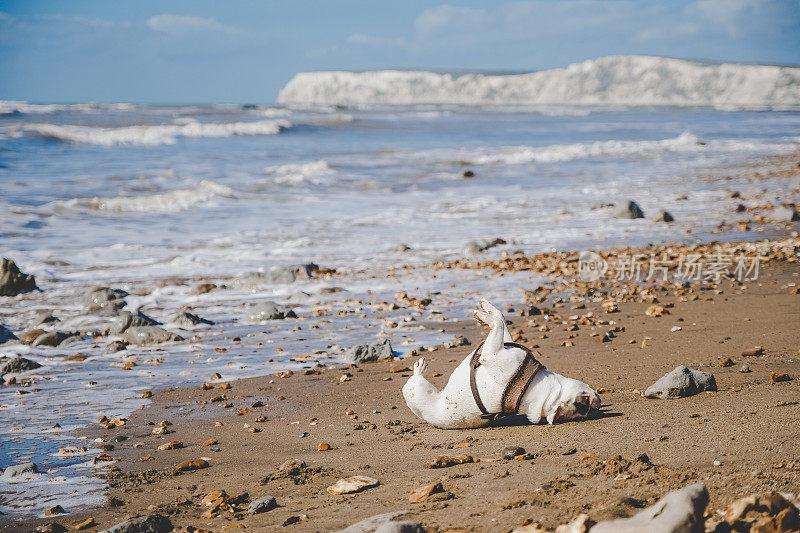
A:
(680, 383)
(476, 247)
(115, 346)
(184, 319)
(71, 340)
(12, 281)
(51, 338)
(262, 505)
(680, 511)
(400, 248)
(28, 336)
(467, 174)
(23, 469)
(400, 527)
(369, 352)
(664, 216)
(6, 335)
(785, 214)
(149, 335)
(628, 210)
(57, 509)
(203, 288)
(509, 452)
(103, 301)
(269, 311)
(126, 320)
(45, 318)
(530, 311)
(152, 523)
(18, 364)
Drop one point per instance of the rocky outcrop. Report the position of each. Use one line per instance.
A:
(127, 320)
(12, 281)
(369, 352)
(680, 511)
(103, 301)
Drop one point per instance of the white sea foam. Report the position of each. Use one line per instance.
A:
(297, 174)
(615, 80)
(154, 135)
(8, 107)
(177, 200)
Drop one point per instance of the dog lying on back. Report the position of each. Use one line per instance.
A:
(548, 395)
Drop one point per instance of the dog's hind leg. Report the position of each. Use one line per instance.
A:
(498, 332)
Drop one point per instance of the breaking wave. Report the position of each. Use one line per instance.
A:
(298, 174)
(613, 80)
(154, 135)
(178, 200)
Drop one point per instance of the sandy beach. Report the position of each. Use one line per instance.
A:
(739, 440)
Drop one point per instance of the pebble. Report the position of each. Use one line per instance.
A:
(421, 494)
(445, 461)
(509, 452)
(352, 485)
(188, 466)
(262, 505)
(745, 369)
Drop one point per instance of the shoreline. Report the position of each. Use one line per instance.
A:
(384, 440)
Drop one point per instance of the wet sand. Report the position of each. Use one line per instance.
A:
(739, 440)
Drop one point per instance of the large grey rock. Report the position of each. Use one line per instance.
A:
(149, 335)
(6, 335)
(400, 527)
(184, 319)
(680, 511)
(785, 214)
(269, 311)
(12, 281)
(152, 523)
(52, 338)
(18, 364)
(369, 352)
(680, 383)
(15, 471)
(126, 319)
(262, 505)
(629, 209)
(103, 301)
(277, 276)
(369, 525)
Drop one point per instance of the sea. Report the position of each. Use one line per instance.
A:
(156, 199)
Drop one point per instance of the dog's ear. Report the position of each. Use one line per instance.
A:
(582, 405)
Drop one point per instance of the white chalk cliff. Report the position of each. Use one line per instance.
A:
(613, 80)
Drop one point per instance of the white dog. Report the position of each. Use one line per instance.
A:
(549, 395)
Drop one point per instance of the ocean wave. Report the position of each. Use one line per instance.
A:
(297, 174)
(514, 155)
(9, 107)
(153, 135)
(615, 80)
(177, 200)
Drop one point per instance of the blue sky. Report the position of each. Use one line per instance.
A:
(245, 51)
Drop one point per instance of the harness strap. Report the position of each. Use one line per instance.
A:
(515, 388)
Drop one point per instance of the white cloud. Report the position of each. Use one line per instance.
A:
(437, 19)
(362, 39)
(183, 24)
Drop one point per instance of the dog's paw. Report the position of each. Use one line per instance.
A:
(481, 317)
(490, 310)
(420, 367)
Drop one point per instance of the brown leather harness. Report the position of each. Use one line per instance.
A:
(516, 387)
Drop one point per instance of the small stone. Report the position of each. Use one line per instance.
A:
(353, 484)
(86, 524)
(777, 377)
(744, 369)
(656, 311)
(115, 346)
(680, 383)
(143, 335)
(103, 301)
(421, 494)
(369, 352)
(445, 461)
(184, 319)
(400, 527)
(21, 470)
(581, 524)
(188, 466)
(262, 505)
(127, 320)
(54, 511)
(51, 338)
(717, 462)
(26, 337)
(753, 352)
(727, 362)
(629, 210)
(785, 214)
(174, 445)
(509, 452)
(52, 527)
(663, 216)
(265, 311)
(203, 288)
(152, 523)
(323, 447)
(675, 328)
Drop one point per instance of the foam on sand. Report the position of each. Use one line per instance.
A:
(613, 80)
(154, 135)
(177, 200)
